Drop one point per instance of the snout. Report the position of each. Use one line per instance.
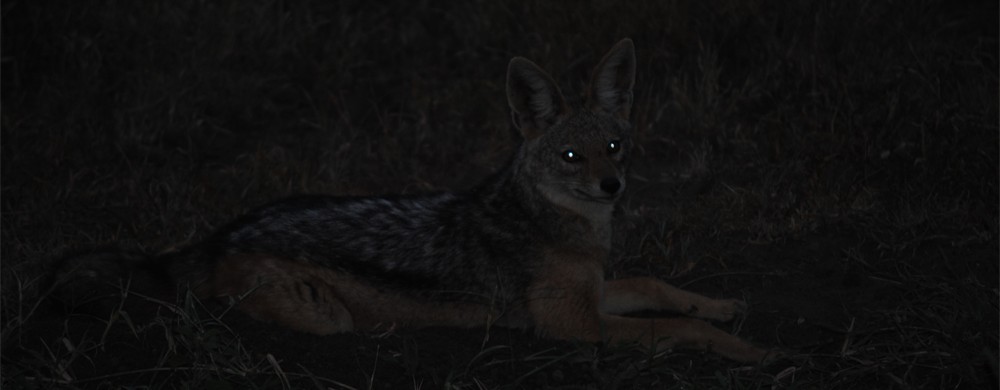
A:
(611, 185)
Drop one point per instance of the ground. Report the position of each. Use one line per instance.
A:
(833, 164)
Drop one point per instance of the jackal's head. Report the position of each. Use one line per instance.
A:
(576, 156)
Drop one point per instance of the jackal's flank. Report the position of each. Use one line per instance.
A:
(525, 248)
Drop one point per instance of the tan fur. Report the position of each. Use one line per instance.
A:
(320, 300)
(568, 300)
(290, 293)
(571, 300)
(637, 294)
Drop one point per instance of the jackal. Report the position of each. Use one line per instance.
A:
(525, 248)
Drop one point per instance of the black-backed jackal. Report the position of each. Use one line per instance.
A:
(525, 248)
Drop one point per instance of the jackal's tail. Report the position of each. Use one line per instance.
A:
(99, 280)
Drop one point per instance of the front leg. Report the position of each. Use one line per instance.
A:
(565, 302)
(636, 294)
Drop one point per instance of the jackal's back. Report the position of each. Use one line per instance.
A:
(437, 244)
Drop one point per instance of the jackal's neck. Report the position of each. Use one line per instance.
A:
(514, 189)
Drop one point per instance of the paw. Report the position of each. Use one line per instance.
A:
(723, 309)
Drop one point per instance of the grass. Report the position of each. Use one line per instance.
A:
(835, 164)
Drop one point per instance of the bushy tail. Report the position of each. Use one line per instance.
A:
(97, 281)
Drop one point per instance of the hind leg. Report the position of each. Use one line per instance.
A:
(293, 294)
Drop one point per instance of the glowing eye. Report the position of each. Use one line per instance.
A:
(614, 146)
(570, 156)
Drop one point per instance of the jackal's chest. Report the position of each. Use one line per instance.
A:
(595, 226)
(588, 230)
(600, 226)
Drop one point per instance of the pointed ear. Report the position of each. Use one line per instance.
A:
(611, 86)
(535, 101)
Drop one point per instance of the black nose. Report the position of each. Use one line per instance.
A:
(610, 185)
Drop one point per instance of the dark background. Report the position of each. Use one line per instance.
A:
(833, 163)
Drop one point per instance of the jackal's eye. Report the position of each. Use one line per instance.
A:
(570, 156)
(614, 146)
